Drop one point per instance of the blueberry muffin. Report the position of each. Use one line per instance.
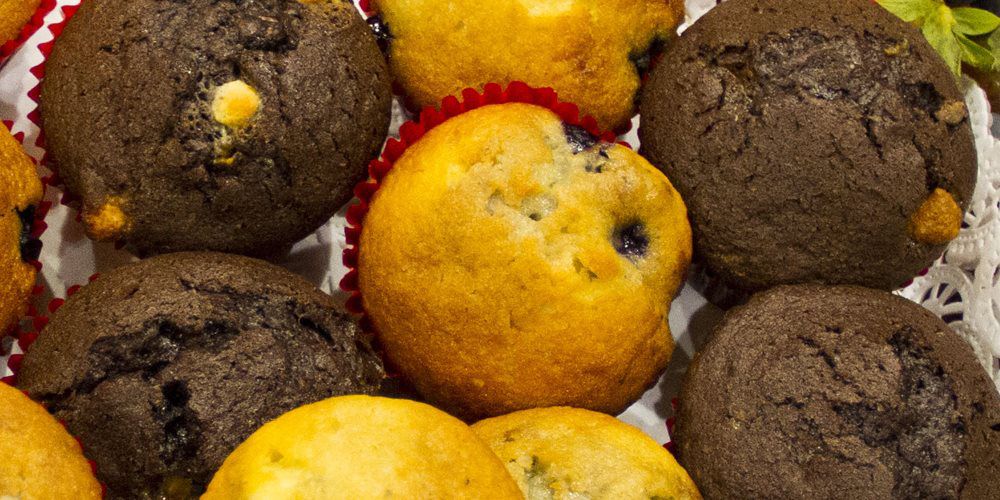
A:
(14, 14)
(813, 141)
(237, 126)
(512, 261)
(20, 192)
(163, 367)
(568, 453)
(838, 392)
(38, 458)
(592, 52)
(363, 447)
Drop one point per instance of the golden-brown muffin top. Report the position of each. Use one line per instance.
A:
(588, 50)
(38, 458)
(569, 453)
(505, 265)
(363, 447)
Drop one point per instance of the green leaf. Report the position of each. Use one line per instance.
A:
(975, 55)
(969, 21)
(910, 10)
(937, 30)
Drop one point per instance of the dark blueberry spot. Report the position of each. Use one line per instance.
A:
(578, 138)
(382, 33)
(31, 247)
(595, 169)
(631, 240)
(995, 427)
(643, 61)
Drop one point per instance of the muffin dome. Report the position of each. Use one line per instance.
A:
(567, 453)
(838, 392)
(237, 126)
(363, 447)
(509, 261)
(20, 191)
(39, 458)
(14, 14)
(592, 52)
(813, 141)
(163, 367)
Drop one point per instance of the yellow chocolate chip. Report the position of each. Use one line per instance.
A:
(107, 222)
(951, 112)
(235, 104)
(898, 49)
(938, 219)
(224, 162)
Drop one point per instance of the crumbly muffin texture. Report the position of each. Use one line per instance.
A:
(363, 447)
(14, 14)
(593, 52)
(838, 392)
(20, 192)
(235, 126)
(569, 453)
(511, 261)
(163, 367)
(39, 458)
(813, 141)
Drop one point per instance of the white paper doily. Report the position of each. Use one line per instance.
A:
(963, 286)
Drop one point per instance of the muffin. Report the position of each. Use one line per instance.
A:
(567, 453)
(38, 459)
(511, 261)
(20, 192)
(813, 141)
(838, 392)
(14, 14)
(163, 367)
(363, 447)
(593, 52)
(213, 125)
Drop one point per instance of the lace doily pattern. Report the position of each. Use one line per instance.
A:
(963, 286)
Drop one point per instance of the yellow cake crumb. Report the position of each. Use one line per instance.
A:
(108, 222)
(235, 104)
(938, 219)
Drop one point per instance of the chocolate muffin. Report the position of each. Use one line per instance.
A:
(237, 126)
(838, 392)
(813, 141)
(163, 367)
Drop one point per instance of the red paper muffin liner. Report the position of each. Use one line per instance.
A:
(411, 132)
(83, 449)
(34, 24)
